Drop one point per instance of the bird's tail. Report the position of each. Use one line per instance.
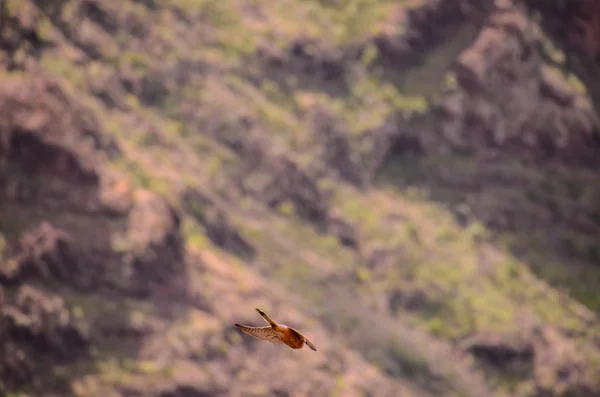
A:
(267, 318)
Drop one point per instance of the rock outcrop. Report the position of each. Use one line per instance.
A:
(508, 99)
(37, 331)
(62, 214)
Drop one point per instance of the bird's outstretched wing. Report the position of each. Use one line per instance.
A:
(306, 340)
(265, 333)
(267, 318)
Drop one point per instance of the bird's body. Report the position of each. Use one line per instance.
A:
(277, 333)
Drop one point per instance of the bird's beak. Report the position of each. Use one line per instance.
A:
(310, 344)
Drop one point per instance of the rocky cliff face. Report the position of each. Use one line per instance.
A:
(508, 99)
(414, 185)
(59, 213)
(574, 26)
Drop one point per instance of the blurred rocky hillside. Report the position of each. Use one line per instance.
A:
(413, 184)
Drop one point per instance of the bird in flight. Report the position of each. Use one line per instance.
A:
(277, 333)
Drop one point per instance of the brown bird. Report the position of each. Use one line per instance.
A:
(277, 333)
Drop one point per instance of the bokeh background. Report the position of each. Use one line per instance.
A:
(414, 185)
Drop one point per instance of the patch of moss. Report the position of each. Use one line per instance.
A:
(3, 247)
(286, 208)
(65, 69)
(195, 235)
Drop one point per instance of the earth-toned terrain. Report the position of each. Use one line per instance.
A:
(415, 185)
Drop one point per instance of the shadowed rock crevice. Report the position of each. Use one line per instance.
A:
(187, 391)
(27, 150)
(398, 51)
(501, 351)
